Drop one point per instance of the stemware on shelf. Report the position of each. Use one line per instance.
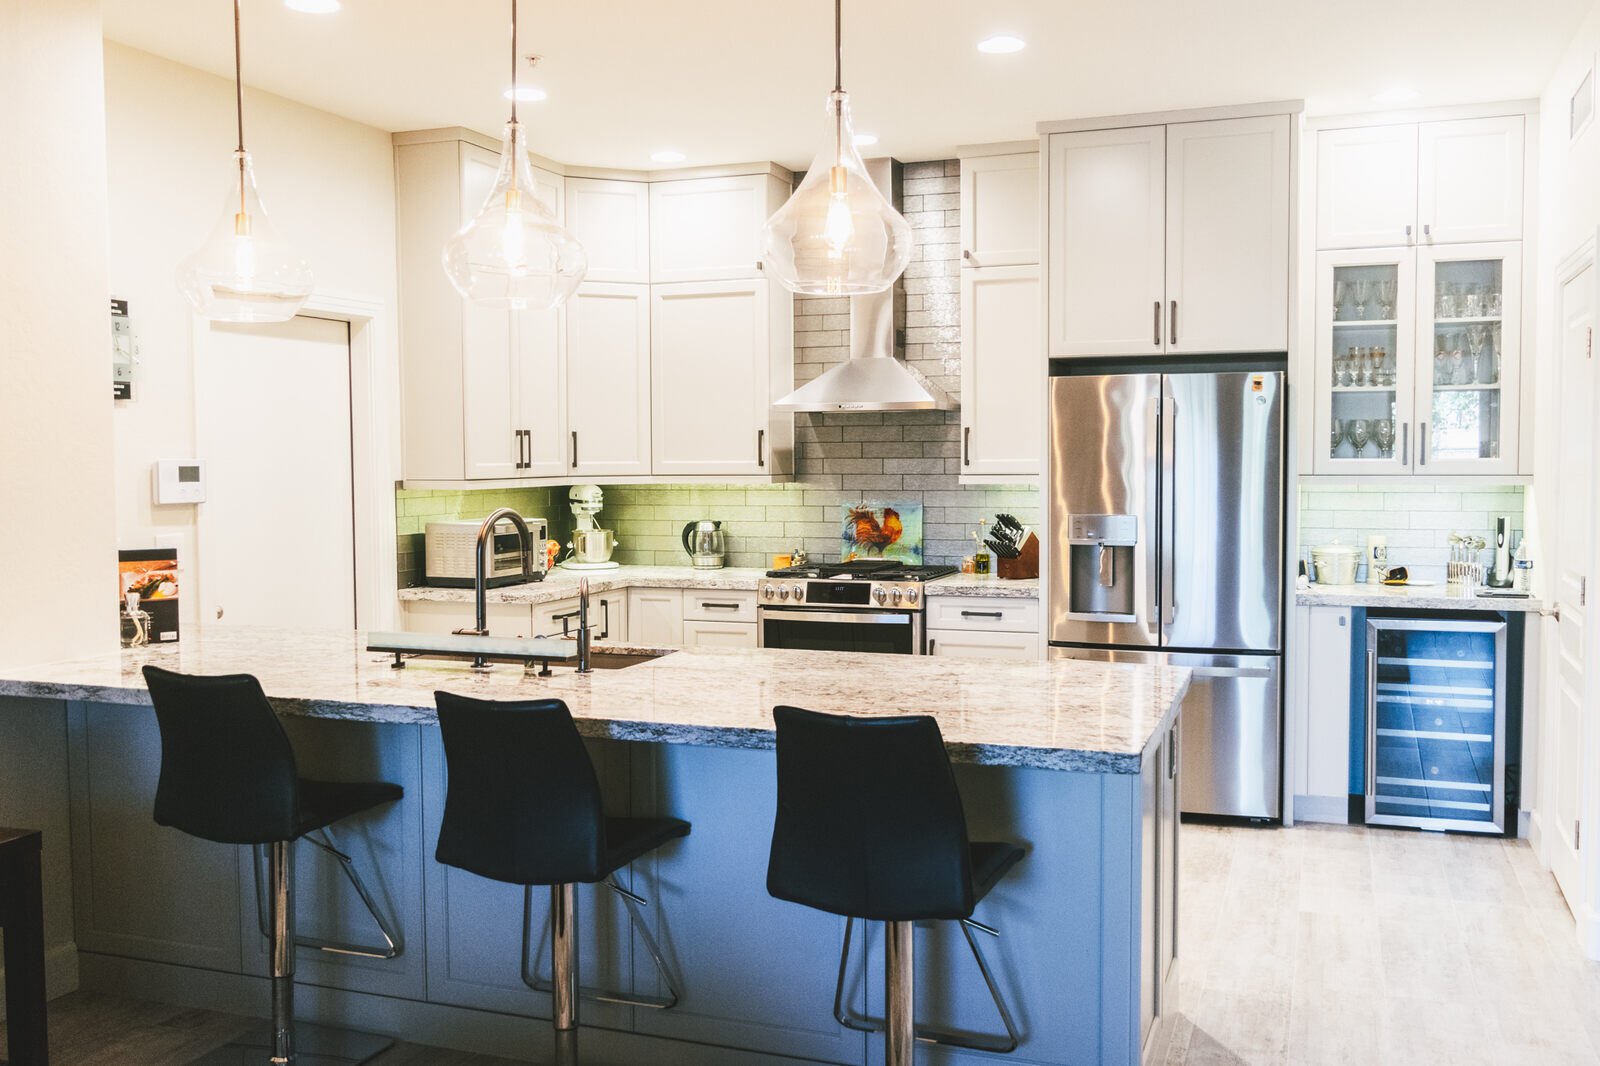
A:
(1493, 305)
(1383, 433)
(1363, 293)
(1483, 367)
(1340, 294)
(1359, 432)
(1386, 294)
(1337, 435)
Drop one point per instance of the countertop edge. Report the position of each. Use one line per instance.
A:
(1424, 598)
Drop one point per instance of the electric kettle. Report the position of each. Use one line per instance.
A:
(706, 544)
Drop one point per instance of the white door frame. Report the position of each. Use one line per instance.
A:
(374, 397)
(1586, 908)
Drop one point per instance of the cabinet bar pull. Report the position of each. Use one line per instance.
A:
(761, 447)
(574, 449)
(1157, 340)
(1405, 453)
(1422, 444)
(1172, 330)
(709, 605)
(966, 253)
(517, 436)
(982, 614)
(966, 445)
(1408, 233)
(1427, 230)
(605, 619)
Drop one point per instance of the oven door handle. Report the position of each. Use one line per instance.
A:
(861, 617)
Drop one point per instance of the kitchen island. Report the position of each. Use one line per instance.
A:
(1073, 760)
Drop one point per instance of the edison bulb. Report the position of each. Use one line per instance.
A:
(245, 272)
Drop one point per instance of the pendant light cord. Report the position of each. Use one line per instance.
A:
(238, 105)
(513, 60)
(838, 36)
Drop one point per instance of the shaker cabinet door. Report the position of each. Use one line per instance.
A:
(1367, 187)
(608, 380)
(710, 358)
(1469, 180)
(1002, 417)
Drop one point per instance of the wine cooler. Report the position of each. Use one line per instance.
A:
(1436, 723)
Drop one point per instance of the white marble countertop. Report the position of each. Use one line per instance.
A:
(561, 584)
(1415, 597)
(1063, 715)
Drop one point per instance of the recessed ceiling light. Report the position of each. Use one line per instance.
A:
(1399, 94)
(865, 140)
(313, 7)
(528, 94)
(667, 155)
(1001, 44)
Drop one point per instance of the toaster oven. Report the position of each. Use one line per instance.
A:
(448, 553)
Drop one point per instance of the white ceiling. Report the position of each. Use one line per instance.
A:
(739, 80)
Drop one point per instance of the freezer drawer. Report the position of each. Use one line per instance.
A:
(1230, 740)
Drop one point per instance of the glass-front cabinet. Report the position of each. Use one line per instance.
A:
(1418, 360)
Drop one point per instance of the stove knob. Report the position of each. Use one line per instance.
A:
(879, 595)
(799, 593)
(766, 591)
(783, 592)
(911, 595)
(895, 596)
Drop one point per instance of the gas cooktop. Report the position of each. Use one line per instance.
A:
(863, 570)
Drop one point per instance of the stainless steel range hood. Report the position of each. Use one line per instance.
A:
(874, 378)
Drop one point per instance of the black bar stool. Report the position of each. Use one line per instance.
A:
(870, 826)
(22, 921)
(228, 774)
(523, 806)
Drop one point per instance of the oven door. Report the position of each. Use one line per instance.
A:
(840, 629)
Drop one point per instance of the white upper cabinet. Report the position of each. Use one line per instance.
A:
(1469, 180)
(713, 345)
(608, 380)
(1452, 182)
(1000, 210)
(1228, 235)
(1107, 236)
(1002, 413)
(1366, 187)
(709, 229)
(611, 219)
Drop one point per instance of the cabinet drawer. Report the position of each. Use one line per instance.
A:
(1000, 615)
(719, 634)
(447, 616)
(982, 644)
(709, 605)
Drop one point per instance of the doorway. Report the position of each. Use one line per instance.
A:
(277, 533)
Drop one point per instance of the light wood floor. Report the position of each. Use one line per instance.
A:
(1316, 945)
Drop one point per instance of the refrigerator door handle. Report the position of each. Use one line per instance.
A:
(1169, 508)
(1153, 548)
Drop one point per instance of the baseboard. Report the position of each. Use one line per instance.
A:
(437, 1025)
(60, 970)
(1334, 809)
(1525, 821)
(1588, 921)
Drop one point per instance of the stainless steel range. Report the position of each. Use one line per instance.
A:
(867, 605)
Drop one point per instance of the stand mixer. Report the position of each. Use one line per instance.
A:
(591, 546)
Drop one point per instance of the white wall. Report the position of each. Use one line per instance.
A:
(328, 184)
(55, 400)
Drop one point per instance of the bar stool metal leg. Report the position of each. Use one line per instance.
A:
(631, 901)
(564, 955)
(899, 978)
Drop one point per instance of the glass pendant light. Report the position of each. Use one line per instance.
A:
(837, 235)
(514, 254)
(244, 272)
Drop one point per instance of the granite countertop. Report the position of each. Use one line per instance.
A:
(1062, 715)
(1439, 597)
(561, 584)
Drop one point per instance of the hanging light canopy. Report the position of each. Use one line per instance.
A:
(514, 254)
(837, 235)
(244, 272)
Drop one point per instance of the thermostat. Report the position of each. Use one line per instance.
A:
(178, 480)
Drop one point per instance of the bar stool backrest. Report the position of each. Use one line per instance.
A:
(227, 770)
(869, 821)
(523, 803)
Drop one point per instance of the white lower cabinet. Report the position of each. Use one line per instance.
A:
(447, 616)
(719, 634)
(982, 644)
(655, 617)
(1324, 698)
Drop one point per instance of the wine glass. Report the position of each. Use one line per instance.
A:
(1363, 293)
(1477, 341)
(1358, 431)
(1383, 433)
(1337, 435)
(1386, 293)
(1340, 294)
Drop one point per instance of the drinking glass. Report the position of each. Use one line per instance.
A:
(1386, 293)
(1363, 293)
(1383, 433)
(1492, 305)
(1441, 363)
(1337, 435)
(1358, 431)
(1483, 368)
(1472, 302)
(1340, 294)
(1460, 369)
(1369, 368)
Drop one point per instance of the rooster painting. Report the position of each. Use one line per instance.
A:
(887, 532)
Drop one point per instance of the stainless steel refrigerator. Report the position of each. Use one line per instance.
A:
(1167, 527)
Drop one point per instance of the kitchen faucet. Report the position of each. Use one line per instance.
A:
(583, 626)
(480, 579)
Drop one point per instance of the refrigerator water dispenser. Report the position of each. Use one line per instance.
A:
(1101, 563)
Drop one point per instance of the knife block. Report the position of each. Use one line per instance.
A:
(1025, 565)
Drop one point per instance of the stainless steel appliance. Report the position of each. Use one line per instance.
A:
(449, 550)
(866, 605)
(1166, 518)
(706, 544)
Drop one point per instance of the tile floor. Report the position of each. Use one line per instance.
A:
(1337, 945)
